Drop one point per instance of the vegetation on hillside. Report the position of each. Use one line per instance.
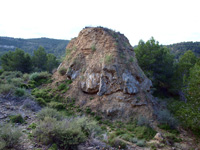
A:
(54, 46)
(18, 60)
(177, 80)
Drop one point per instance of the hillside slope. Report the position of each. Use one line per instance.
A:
(55, 46)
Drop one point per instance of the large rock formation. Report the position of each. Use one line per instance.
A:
(106, 76)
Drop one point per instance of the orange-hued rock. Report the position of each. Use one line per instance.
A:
(106, 76)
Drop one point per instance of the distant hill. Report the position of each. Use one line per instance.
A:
(180, 48)
(55, 46)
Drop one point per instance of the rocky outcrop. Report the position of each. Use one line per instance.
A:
(102, 65)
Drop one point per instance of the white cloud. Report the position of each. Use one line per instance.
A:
(168, 21)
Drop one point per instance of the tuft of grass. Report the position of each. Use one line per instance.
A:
(131, 59)
(108, 59)
(144, 132)
(93, 47)
(6, 88)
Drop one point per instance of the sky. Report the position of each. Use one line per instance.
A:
(168, 21)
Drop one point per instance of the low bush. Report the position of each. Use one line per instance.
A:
(57, 105)
(6, 88)
(143, 121)
(40, 78)
(17, 119)
(41, 101)
(17, 81)
(49, 112)
(165, 117)
(144, 132)
(116, 142)
(66, 133)
(62, 71)
(9, 136)
(20, 92)
(62, 86)
(140, 143)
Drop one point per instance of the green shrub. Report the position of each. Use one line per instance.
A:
(41, 101)
(42, 93)
(115, 142)
(26, 77)
(165, 117)
(49, 112)
(143, 132)
(6, 88)
(187, 113)
(17, 119)
(1, 71)
(40, 78)
(62, 86)
(9, 136)
(66, 133)
(143, 121)
(62, 71)
(131, 59)
(93, 47)
(57, 105)
(108, 58)
(168, 128)
(140, 143)
(127, 137)
(17, 81)
(20, 92)
(32, 126)
(25, 86)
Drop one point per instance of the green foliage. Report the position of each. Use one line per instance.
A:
(32, 126)
(131, 59)
(20, 92)
(16, 61)
(93, 47)
(39, 59)
(1, 71)
(57, 105)
(140, 143)
(9, 136)
(143, 121)
(108, 59)
(52, 62)
(17, 119)
(17, 81)
(49, 112)
(157, 63)
(6, 88)
(165, 117)
(41, 101)
(39, 78)
(116, 142)
(192, 90)
(187, 113)
(66, 133)
(144, 132)
(186, 62)
(54, 46)
(62, 71)
(62, 86)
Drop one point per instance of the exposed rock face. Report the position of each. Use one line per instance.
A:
(102, 65)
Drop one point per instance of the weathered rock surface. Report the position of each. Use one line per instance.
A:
(102, 65)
